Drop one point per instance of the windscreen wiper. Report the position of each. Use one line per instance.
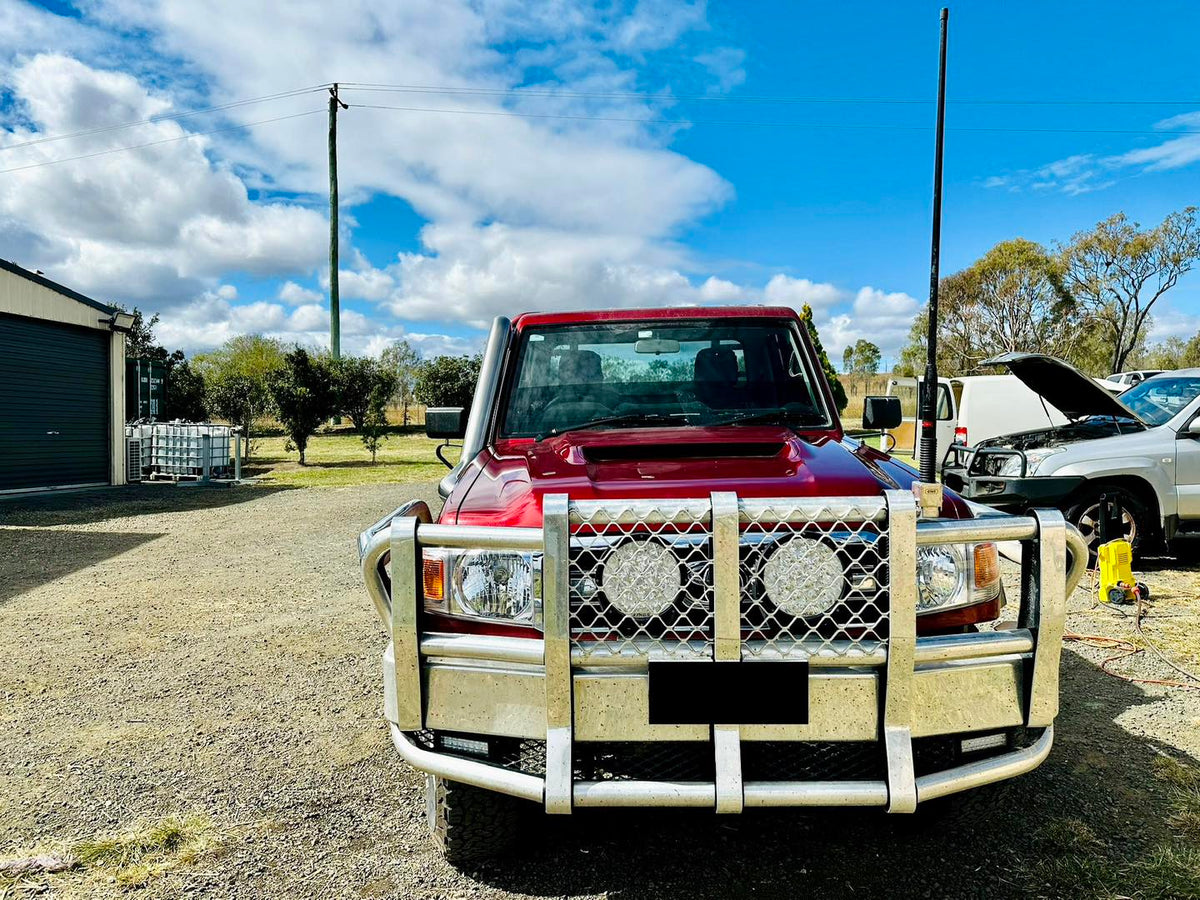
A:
(771, 417)
(636, 418)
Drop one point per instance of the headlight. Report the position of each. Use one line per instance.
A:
(1035, 458)
(641, 578)
(954, 575)
(1008, 465)
(484, 584)
(803, 577)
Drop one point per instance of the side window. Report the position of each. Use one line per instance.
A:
(944, 407)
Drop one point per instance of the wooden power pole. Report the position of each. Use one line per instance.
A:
(335, 307)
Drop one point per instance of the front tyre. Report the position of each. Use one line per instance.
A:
(467, 823)
(1137, 523)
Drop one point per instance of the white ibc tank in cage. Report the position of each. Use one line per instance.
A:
(180, 450)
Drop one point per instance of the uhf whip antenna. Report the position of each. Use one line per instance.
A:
(929, 388)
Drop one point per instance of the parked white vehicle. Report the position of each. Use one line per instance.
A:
(972, 408)
(1129, 379)
(1142, 450)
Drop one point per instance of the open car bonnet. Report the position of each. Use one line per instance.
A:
(1063, 386)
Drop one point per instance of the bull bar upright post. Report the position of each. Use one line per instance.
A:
(901, 653)
(556, 616)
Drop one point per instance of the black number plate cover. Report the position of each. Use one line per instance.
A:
(729, 693)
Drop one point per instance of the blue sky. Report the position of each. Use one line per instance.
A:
(452, 217)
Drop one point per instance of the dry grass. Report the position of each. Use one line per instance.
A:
(857, 387)
(128, 858)
(145, 851)
(1184, 780)
(1076, 862)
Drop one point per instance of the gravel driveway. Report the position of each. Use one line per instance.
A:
(167, 650)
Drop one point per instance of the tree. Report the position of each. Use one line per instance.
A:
(186, 395)
(448, 380)
(1119, 271)
(140, 342)
(356, 381)
(375, 423)
(1172, 353)
(236, 376)
(251, 355)
(839, 392)
(401, 359)
(1014, 297)
(862, 359)
(239, 400)
(353, 382)
(184, 391)
(303, 393)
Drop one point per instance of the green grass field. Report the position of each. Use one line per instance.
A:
(339, 459)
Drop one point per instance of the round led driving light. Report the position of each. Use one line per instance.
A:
(941, 575)
(804, 577)
(494, 585)
(641, 578)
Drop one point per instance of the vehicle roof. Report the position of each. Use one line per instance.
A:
(638, 315)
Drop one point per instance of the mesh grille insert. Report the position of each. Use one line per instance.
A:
(813, 761)
(645, 761)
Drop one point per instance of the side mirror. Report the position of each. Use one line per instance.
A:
(881, 413)
(446, 423)
(1193, 428)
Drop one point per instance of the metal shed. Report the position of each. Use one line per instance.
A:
(62, 372)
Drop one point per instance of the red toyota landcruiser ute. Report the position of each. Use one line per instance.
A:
(664, 575)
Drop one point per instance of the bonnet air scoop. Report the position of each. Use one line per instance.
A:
(600, 453)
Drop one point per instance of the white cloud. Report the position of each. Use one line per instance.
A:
(654, 24)
(880, 317)
(718, 290)
(1168, 323)
(1083, 173)
(783, 290)
(524, 213)
(156, 223)
(294, 295)
(212, 319)
(725, 65)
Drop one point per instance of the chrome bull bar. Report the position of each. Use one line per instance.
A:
(1053, 563)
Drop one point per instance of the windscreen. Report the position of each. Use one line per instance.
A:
(654, 374)
(1157, 400)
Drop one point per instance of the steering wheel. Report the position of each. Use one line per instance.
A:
(558, 403)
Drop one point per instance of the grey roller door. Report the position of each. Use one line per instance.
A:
(54, 404)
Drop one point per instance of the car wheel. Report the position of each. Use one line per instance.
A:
(467, 823)
(1137, 523)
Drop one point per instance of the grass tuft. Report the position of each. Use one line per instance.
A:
(1177, 774)
(1069, 835)
(136, 855)
(1167, 873)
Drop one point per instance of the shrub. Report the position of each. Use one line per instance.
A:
(304, 396)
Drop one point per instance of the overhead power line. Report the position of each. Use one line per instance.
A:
(740, 98)
(165, 117)
(171, 140)
(776, 124)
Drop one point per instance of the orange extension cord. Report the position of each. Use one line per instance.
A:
(1127, 649)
